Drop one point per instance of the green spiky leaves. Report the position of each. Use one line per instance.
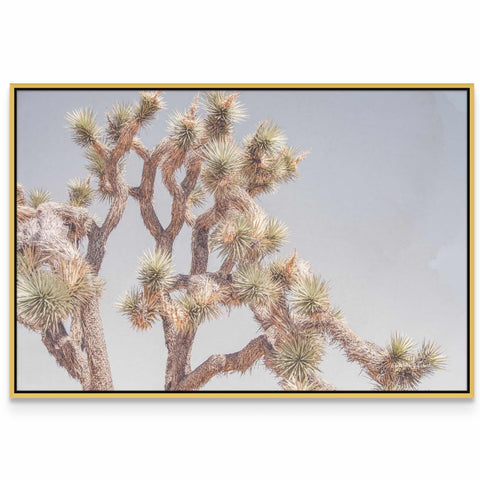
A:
(185, 130)
(96, 166)
(81, 282)
(310, 296)
(403, 366)
(96, 163)
(272, 235)
(223, 110)
(400, 348)
(37, 196)
(254, 285)
(242, 237)
(80, 193)
(143, 306)
(145, 110)
(51, 287)
(221, 166)
(261, 167)
(156, 270)
(305, 385)
(285, 164)
(43, 299)
(117, 118)
(430, 357)
(129, 305)
(267, 140)
(233, 239)
(201, 304)
(267, 161)
(140, 307)
(284, 271)
(197, 197)
(29, 259)
(264, 172)
(297, 356)
(84, 127)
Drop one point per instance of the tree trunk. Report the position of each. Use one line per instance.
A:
(68, 354)
(96, 348)
(178, 359)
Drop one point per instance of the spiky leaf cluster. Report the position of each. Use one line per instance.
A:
(286, 163)
(430, 358)
(310, 295)
(96, 166)
(261, 166)
(96, 218)
(37, 196)
(197, 197)
(294, 384)
(284, 270)
(80, 193)
(297, 356)
(233, 238)
(29, 259)
(268, 139)
(403, 367)
(57, 282)
(221, 166)
(83, 285)
(150, 103)
(264, 173)
(272, 237)
(96, 163)
(43, 299)
(185, 130)
(117, 118)
(156, 270)
(140, 307)
(203, 303)
(400, 348)
(84, 127)
(254, 285)
(223, 110)
(241, 237)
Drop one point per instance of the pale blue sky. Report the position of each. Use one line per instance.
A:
(379, 209)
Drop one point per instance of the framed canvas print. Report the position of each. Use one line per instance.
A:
(241, 240)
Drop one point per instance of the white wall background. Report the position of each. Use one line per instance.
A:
(371, 41)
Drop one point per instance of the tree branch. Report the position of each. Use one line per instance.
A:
(322, 384)
(141, 150)
(369, 355)
(181, 192)
(372, 358)
(144, 192)
(200, 233)
(239, 361)
(68, 354)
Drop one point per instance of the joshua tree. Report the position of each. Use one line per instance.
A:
(291, 305)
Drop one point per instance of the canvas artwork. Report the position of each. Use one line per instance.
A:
(241, 240)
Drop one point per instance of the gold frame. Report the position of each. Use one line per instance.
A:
(239, 394)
